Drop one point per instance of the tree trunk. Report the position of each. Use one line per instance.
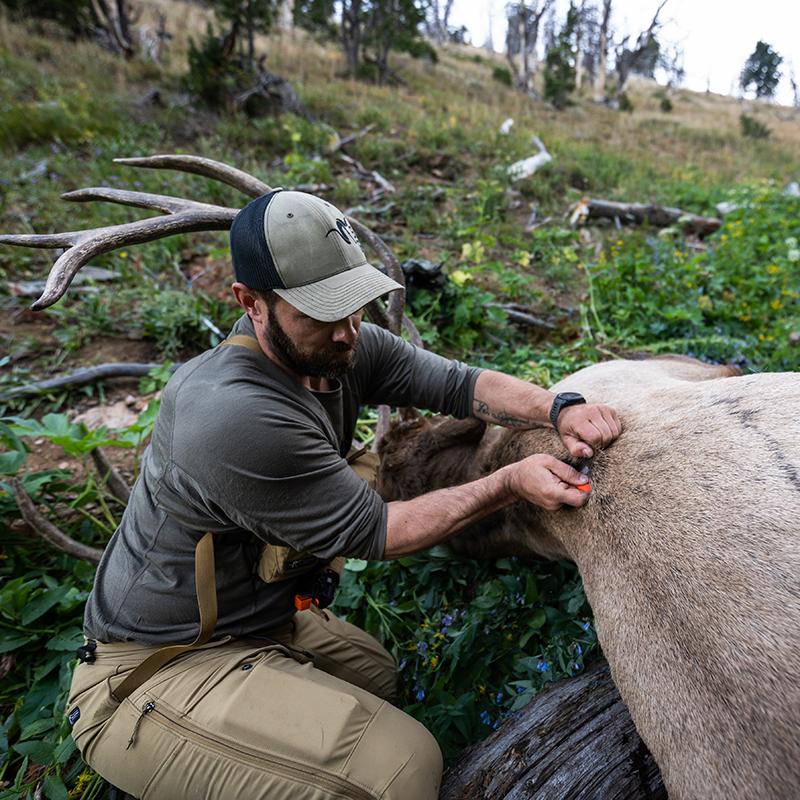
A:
(574, 741)
(602, 55)
(285, 15)
(351, 34)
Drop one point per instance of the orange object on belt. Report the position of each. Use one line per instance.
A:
(302, 601)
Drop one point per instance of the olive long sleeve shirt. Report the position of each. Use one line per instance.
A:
(242, 450)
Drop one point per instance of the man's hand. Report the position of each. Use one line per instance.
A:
(547, 482)
(585, 427)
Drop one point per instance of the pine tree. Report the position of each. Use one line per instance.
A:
(559, 63)
(761, 70)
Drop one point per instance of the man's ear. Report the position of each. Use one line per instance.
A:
(249, 301)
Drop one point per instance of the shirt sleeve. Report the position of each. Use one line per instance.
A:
(398, 373)
(278, 476)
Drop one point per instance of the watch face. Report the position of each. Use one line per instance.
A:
(569, 396)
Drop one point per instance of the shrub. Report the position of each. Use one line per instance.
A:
(752, 128)
(665, 105)
(212, 75)
(625, 103)
(502, 75)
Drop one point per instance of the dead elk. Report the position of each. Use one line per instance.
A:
(689, 549)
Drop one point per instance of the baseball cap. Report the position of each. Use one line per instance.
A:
(305, 250)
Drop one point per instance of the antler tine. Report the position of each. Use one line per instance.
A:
(397, 300)
(238, 179)
(207, 167)
(46, 240)
(86, 245)
(159, 202)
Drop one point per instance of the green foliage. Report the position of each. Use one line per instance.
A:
(502, 75)
(752, 128)
(74, 15)
(761, 71)
(316, 16)
(625, 103)
(474, 641)
(42, 595)
(737, 300)
(213, 75)
(665, 104)
(559, 62)
(72, 117)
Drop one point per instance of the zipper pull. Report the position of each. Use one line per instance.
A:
(146, 709)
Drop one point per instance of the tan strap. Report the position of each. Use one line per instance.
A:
(250, 342)
(206, 588)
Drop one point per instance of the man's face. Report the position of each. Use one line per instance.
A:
(309, 347)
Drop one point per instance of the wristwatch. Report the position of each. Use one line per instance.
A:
(564, 399)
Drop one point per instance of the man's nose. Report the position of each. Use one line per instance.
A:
(346, 330)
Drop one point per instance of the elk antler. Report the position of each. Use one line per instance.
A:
(182, 216)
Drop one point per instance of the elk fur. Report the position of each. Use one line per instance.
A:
(689, 549)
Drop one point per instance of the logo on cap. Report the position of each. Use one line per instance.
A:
(344, 230)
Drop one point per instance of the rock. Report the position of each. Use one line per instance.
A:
(114, 416)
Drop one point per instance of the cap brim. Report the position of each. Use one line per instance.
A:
(337, 297)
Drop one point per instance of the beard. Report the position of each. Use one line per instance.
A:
(333, 361)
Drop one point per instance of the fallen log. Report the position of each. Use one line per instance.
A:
(574, 741)
(123, 369)
(639, 213)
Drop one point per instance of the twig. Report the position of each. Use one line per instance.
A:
(523, 316)
(49, 532)
(340, 143)
(369, 174)
(117, 485)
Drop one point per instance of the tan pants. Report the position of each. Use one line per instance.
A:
(303, 719)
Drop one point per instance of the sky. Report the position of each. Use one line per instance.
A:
(717, 36)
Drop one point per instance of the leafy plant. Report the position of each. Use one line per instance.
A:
(753, 128)
(474, 641)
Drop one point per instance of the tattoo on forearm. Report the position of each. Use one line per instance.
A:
(481, 409)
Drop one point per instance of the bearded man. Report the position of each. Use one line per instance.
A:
(248, 498)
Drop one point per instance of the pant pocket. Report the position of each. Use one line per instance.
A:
(89, 708)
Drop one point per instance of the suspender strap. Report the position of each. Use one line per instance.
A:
(249, 342)
(206, 588)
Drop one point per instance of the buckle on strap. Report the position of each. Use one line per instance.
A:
(85, 652)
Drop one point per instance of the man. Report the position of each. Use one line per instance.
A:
(244, 502)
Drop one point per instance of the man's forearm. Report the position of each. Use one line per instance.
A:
(510, 402)
(432, 518)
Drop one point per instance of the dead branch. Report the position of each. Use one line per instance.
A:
(338, 143)
(117, 485)
(640, 213)
(386, 186)
(49, 532)
(574, 740)
(86, 375)
(524, 316)
(527, 166)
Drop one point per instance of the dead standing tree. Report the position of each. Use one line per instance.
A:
(522, 35)
(642, 57)
(599, 93)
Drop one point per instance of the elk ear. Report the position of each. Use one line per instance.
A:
(409, 413)
(453, 432)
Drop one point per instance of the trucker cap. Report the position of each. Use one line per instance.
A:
(305, 250)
